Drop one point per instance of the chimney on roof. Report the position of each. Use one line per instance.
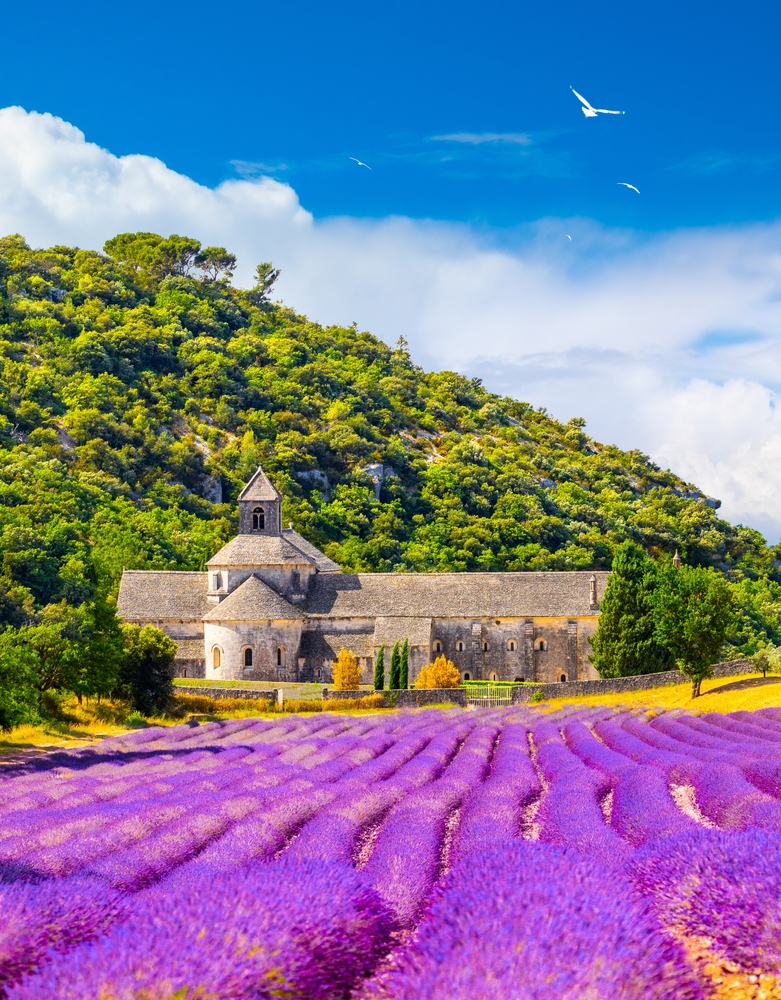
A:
(260, 507)
(593, 603)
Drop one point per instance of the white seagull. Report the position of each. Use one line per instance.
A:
(569, 237)
(590, 112)
(631, 186)
(359, 162)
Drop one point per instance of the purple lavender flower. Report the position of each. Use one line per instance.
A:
(723, 886)
(305, 930)
(539, 922)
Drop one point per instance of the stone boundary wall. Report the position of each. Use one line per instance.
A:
(521, 693)
(617, 685)
(412, 698)
(225, 692)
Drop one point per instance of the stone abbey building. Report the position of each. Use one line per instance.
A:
(272, 607)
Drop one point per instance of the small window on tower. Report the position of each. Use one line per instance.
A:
(258, 519)
(437, 646)
(281, 656)
(486, 646)
(216, 657)
(511, 645)
(460, 646)
(248, 657)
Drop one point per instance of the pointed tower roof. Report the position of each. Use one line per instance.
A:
(253, 601)
(259, 489)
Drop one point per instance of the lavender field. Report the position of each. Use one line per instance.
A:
(586, 855)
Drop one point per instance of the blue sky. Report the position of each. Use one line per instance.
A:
(659, 321)
(295, 88)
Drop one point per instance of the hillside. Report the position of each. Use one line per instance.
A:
(140, 389)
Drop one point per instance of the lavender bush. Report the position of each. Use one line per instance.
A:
(503, 853)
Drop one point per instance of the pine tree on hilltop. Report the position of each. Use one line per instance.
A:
(394, 679)
(379, 669)
(624, 643)
(404, 668)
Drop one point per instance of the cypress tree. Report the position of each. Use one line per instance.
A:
(379, 669)
(404, 670)
(394, 679)
(624, 643)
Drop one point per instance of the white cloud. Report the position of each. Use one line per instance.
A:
(670, 343)
(478, 138)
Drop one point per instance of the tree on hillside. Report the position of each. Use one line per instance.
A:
(625, 643)
(765, 660)
(404, 666)
(347, 673)
(215, 261)
(19, 694)
(147, 673)
(153, 255)
(379, 669)
(266, 276)
(394, 677)
(693, 611)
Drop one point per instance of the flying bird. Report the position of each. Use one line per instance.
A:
(569, 237)
(359, 162)
(624, 183)
(590, 112)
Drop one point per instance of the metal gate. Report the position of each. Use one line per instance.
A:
(488, 695)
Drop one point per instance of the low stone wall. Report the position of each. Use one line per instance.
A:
(413, 698)
(521, 693)
(226, 692)
(617, 685)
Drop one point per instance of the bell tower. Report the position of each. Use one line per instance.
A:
(260, 507)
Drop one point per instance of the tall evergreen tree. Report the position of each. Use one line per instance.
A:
(394, 680)
(404, 668)
(379, 669)
(625, 642)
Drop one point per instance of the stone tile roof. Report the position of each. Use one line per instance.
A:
(259, 550)
(390, 630)
(453, 595)
(323, 563)
(189, 649)
(259, 488)
(162, 595)
(253, 601)
(326, 645)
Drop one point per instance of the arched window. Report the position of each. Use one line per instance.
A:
(317, 673)
(216, 657)
(460, 646)
(486, 646)
(437, 646)
(540, 645)
(258, 519)
(466, 676)
(247, 657)
(511, 645)
(492, 676)
(280, 656)
(563, 678)
(184, 671)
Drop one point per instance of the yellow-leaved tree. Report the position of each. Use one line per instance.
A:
(347, 673)
(441, 673)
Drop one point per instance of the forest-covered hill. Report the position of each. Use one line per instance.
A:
(140, 389)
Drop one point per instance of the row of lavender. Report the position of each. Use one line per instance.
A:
(480, 855)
